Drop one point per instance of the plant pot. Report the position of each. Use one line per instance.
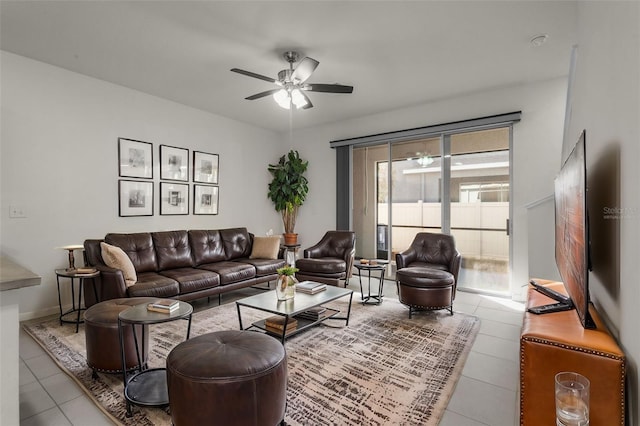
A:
(286, 287)
(290, 239)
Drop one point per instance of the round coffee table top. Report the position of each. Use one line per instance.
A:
(139, 314)
(379, 264)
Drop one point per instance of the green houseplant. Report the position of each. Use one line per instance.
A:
(288, 190)
(285, 287)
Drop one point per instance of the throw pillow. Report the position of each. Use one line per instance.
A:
(265, 248)
(115, 257)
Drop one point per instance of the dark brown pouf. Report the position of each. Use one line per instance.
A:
(103, 340)
(425, 288)
(227, 378)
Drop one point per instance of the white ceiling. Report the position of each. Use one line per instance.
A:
(395, 53)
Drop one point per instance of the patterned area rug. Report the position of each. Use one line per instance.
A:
(382, 369)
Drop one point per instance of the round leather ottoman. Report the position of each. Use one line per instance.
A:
(425, 288)
(227, 378)
(103, 339)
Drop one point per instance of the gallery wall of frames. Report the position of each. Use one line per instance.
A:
(136, 195)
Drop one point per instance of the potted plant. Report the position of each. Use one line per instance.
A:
(288, 190)
(286, 284)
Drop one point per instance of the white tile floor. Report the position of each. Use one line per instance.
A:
(486, 394)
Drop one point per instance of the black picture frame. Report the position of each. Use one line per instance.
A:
(206, 167)
(206, 199)
(135, 198)
(174, 198)
(135, 159)
(174, 163)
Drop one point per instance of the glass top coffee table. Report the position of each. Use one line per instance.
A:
(292, 308)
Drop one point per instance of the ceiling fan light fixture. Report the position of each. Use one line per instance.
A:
(285, 98)
(292, 82)
(298, 100)
(282, 98)
(425, 160)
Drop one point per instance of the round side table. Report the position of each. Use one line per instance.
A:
(381, 266)
(72, 275)
(147, 387)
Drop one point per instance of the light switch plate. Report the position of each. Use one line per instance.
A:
(16, 211)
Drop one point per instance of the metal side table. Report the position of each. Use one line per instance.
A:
(72, 275)
(381, 266)
(147, 387)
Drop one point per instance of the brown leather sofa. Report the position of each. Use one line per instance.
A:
(330, 260)
(184, 265)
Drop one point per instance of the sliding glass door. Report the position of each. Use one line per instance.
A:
(416, 192)
(479, 207)
(453, 183)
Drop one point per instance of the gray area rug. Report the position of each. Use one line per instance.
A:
(382, 369)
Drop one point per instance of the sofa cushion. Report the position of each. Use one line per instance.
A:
(264, 267)
(191, 279)
(237, 242)
(139, 248)
(265, 248)
(115, 257)
(231, 272)
(152, 284)
(172, 249)
(206, 246)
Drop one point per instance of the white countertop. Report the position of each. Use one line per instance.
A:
(13, 276)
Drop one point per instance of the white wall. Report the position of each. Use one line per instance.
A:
(606, 102)
(536, 153)
(59, 163)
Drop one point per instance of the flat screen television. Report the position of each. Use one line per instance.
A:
(572, 248)
(572, 229)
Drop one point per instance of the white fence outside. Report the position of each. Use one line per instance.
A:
(488, 245)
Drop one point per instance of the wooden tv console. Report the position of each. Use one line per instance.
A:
(556, 342)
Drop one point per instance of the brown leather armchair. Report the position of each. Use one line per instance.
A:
(330, 260)
(427, 272)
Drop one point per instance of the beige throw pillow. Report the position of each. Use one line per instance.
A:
(265, 248)
(115, 257)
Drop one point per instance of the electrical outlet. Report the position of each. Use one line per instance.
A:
(16, 212)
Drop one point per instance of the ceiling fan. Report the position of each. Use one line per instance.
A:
(292, 83)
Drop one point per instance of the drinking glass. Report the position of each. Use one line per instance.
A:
(572, 399)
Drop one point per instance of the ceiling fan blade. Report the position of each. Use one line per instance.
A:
(303, 71)
(328, 88)
(306, 98)
(262, 94)
(254, 75)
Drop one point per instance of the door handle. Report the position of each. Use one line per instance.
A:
(508, 233)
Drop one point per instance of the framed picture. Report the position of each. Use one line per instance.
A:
(205, 199)
(174, 163)
(135, 158)
(135, 198)
(205, 167)
(174, 198)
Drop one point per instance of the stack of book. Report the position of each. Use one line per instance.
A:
(313, 314)
(310, 287)
(85, 270)
(165, 305)
(275, 324)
